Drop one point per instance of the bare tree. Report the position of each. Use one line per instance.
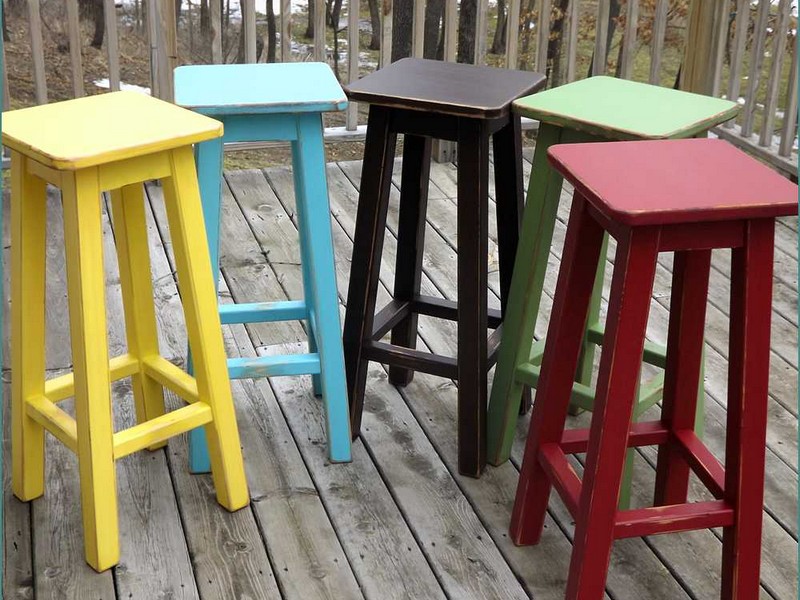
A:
(500, 30)
(402, 28)
(375, 22)
(467, 18)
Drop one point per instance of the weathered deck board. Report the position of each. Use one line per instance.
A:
(399, 521)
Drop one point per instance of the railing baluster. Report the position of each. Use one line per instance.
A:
(629, 38)
(756, 62)
(74, 28)
(112, 43)
(37, 51)
(573, 20)
(601, 37)
(659, 30)
(778, 50)
(450, 30)
(319, 30)
(215, 15)
(789, 129)
(353, 9)
(387, 16)
(512, 34)
(481, 31)
(741, 24)
(249, 24)
(542, 35)
(286, 30)
(418, 31)
(721, 18)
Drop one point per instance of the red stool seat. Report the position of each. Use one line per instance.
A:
(687, 197)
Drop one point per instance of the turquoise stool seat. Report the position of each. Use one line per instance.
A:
(278, 102)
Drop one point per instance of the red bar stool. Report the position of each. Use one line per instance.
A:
(686, 197)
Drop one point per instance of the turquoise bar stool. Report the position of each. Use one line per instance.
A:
(278, 102)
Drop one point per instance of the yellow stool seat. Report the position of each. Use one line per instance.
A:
(113, 142)
(100, 129)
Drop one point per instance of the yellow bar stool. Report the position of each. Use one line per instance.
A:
(112, 142)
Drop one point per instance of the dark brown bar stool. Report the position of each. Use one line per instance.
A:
(425, 99)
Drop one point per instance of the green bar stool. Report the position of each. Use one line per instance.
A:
(593, 109)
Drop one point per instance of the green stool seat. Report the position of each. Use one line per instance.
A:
(593, 109)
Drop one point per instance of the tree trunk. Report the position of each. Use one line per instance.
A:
(499, 42)
(375, 23)
(6, 36)
(556, 42)
(402, 28)
(434, 12)
(310, 25)
(272, 32)
(334, 13)
(467, 18)
(205, 18)
(99, 23)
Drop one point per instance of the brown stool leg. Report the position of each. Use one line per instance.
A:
(373, 201)
(473, 248)
(748, 375)
(410, 242)
(564, 340)
(509, 203)
(687, 313)
(620, 364)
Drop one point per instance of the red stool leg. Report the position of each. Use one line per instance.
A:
(620, 363)
(564, 340)
(751, 296)
(687, 313)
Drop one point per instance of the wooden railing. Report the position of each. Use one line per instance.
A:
(741, 49)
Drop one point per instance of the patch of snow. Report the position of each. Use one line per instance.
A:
(128, 87)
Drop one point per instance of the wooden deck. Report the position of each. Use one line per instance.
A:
(399, 522)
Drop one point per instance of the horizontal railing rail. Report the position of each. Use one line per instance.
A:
(740, 49)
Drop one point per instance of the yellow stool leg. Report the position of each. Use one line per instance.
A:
(185, 216)
(83, 237)
(130, 233)
(28, 231)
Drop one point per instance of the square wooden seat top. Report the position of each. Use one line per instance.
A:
(445, 88)
(665, 182)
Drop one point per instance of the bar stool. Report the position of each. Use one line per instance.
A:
(593, 109)
(686, 197)
(111, 142)
(278, 102)
(469, 105)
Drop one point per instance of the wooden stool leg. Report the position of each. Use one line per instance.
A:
(527, 283)
(748, 374)
(299, 155)
(209, 176)
(182, 201)
(28, 247)
(133, 254)
(83, 237)
(687, 314)
(564, 337)
(473, 244)
(315, 227)
(410, 243)
(620, 364)
(509, 203)
(373, 202)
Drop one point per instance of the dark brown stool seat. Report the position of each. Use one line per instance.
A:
(425, 99)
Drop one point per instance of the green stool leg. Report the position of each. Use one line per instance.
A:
(527, 283)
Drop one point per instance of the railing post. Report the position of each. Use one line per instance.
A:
(700, 72)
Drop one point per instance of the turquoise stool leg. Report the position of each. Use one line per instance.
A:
(208, 156)
(313, 213)
(305, 256)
